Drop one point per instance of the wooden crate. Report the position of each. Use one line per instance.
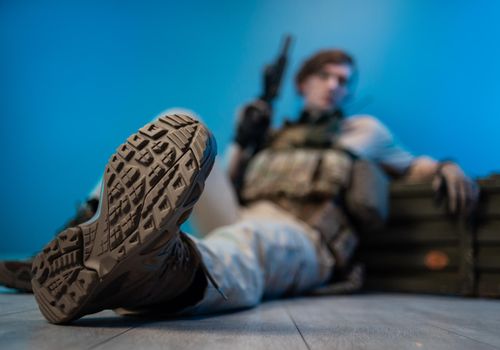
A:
(426, 250)
(487, 238)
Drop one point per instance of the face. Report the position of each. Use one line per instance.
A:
(328, 88)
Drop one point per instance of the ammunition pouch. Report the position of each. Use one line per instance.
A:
(335, 229)
(296, 174)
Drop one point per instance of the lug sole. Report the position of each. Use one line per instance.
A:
(13, 279)
(150, 186)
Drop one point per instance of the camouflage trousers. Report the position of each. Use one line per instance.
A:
(266, 254)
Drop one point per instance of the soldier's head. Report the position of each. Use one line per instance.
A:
(324, 79)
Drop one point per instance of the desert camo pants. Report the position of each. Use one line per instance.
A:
(266, 254)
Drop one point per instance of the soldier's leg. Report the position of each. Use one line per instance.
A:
(262, 257)
(252, 260)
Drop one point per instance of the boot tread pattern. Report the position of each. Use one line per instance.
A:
(149, 183)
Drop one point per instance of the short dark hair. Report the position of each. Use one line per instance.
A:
(315, 63)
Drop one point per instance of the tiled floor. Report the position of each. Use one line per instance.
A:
(366, 321)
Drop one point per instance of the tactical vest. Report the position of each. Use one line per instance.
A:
(296, 174)
(301, 172)
(300, 164)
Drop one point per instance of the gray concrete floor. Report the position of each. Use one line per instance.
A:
(366, 321)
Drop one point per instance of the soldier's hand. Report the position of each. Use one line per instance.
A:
(461, 191)
(252, 125)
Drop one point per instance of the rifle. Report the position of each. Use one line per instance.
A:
(255, 117)
(273, 73)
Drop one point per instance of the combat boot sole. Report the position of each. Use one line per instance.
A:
(16, 275)
(150, 186)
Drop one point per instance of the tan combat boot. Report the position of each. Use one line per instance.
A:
(16, 274)
(133, 244)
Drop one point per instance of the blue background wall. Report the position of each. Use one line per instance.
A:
(76, 77)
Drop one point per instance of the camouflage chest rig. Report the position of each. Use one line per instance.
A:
(304, 173)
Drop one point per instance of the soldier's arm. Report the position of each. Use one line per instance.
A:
(421, 169)
(462, 191)
(253, 124)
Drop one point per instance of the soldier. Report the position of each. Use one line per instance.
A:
(286, 240)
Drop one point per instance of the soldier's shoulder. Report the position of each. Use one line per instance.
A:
(367, 119)
(366, 123)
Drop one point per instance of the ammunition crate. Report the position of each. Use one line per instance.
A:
(426, 250)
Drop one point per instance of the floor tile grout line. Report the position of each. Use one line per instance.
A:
(110, 338)
(296, 327)
(465, 336)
